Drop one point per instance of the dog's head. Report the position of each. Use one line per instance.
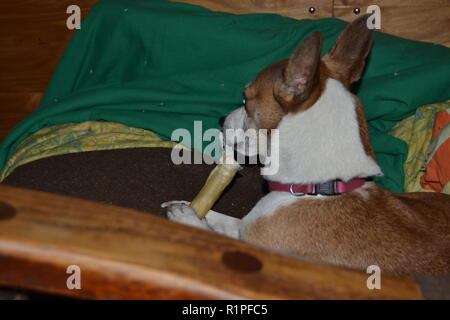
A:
(295, 84)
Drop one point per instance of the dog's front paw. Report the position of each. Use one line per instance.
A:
(180, 211)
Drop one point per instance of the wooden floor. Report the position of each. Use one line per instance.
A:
(33, 35)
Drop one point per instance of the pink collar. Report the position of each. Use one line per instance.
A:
(329, 188)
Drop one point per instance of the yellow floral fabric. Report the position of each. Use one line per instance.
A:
(80, 137)
(416, 131)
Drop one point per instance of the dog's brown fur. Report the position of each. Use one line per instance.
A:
(407, 233)
(403, 234)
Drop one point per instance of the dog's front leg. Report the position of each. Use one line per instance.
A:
(180, 211)
(223, 224)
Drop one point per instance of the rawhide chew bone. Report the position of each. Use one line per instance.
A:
(219, 178)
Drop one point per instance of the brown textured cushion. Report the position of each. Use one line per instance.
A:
(141, 179)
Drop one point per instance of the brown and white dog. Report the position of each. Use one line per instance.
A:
(323, 138)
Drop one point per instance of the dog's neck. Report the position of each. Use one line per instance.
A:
(323, 143)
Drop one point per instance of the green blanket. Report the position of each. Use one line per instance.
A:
(161, 65)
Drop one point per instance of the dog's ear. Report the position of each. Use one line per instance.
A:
(347, 57)
(302, 69)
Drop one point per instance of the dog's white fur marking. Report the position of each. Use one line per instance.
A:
(329, 133)
(223, 224)
(362, 191)
(236, 119)
(180, 211)
(266, 206)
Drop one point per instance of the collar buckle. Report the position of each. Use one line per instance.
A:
(326, 188)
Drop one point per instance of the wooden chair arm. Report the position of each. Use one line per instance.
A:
(126, 254)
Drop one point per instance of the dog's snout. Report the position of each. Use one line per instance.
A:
(222, 121)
